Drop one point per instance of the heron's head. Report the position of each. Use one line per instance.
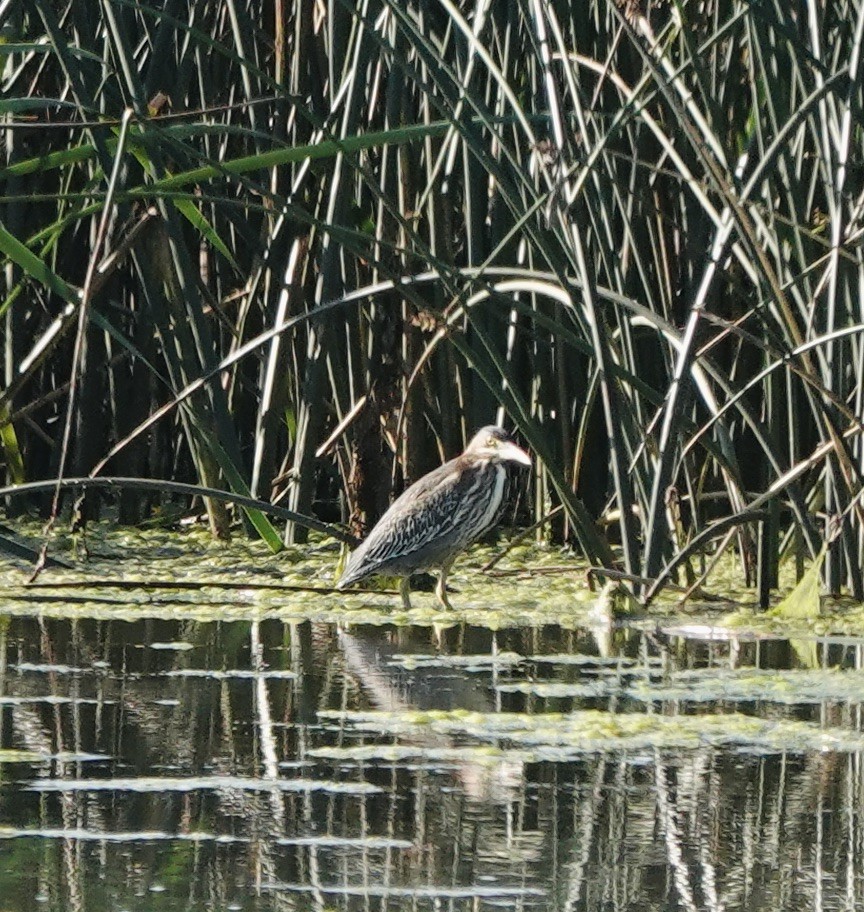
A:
(494, 444)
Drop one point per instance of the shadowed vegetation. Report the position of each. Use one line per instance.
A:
(300, 251)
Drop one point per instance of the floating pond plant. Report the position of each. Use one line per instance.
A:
(560, 736)
(132, 573)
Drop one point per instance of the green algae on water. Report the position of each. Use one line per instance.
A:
(559, 736)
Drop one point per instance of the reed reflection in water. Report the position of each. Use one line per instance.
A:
(257, 766)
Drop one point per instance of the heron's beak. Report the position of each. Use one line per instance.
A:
(509, 452)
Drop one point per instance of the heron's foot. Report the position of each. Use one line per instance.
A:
(441, 592)
(404, 591)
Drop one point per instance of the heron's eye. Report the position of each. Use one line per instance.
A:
(492, 442)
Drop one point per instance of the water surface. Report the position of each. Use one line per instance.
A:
(171, 764)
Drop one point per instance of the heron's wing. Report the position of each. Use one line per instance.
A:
(436, 512)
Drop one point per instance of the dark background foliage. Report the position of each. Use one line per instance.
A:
(631, 232)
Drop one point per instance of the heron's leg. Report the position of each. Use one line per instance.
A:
(404, 590)
(441, 588)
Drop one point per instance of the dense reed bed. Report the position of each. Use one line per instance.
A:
(300, 250)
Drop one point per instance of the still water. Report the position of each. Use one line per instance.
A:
(165, 765)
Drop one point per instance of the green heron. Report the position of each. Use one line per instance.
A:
(439, 516)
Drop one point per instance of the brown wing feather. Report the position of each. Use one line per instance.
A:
(431, 521)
